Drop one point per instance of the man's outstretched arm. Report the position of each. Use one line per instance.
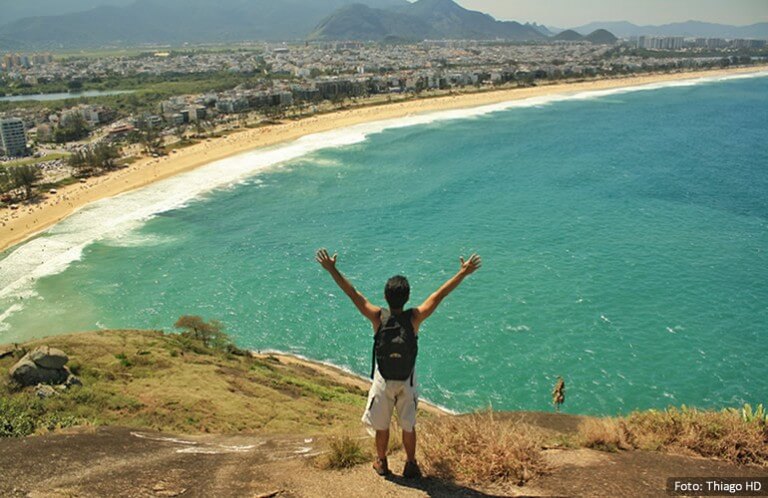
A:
(370, 311)
(430, 305)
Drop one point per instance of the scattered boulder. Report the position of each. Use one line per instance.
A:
(45, 391)
(44, 365)
(27, 373)
(48, 357)
(73, 380)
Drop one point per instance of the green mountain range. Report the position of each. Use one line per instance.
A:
(443, 19)
(176, 21)
(203, 21)
(695, 29)
(360, 22)
(90, 23)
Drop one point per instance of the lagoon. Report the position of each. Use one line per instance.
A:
(46, 97)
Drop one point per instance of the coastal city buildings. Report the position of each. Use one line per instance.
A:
(272, 79)
(13, 138)
(680, 43)
(11, 61)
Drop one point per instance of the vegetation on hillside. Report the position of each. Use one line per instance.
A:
(178, 383)
(738, 436)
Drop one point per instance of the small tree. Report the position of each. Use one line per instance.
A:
(211, 333)
(104, 156)
(75, 128)
(6, 184)
(80, 162)
(25, 176)
(180, 132)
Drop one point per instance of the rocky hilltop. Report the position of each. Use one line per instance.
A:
(143, 413)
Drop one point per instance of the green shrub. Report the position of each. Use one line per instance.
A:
(21, 416)
(124, 361)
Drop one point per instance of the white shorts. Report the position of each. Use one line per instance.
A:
(386, 395)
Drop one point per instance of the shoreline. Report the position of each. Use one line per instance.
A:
(341, 375)
(28, 221)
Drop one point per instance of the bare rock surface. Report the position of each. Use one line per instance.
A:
(117, 461)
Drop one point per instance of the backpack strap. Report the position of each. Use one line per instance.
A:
(383, 318)
(408, 315)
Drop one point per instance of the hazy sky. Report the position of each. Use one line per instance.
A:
(571, 13)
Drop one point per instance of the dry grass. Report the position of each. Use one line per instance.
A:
(479, 449)
(725, 434)
(605, 434)
(344, 452)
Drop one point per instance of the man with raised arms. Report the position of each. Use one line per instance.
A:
(394, 355)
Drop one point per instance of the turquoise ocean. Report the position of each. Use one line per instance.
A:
(624, 235)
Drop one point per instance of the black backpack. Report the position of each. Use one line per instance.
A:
(395, 346)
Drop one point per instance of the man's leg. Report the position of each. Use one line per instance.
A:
(406, 411)
(409, 443)
(382, 441)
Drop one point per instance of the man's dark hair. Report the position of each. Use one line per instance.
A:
(397, 291)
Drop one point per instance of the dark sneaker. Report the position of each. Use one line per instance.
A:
(381, 467)
(412, 470)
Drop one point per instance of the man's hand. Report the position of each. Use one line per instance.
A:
(428, 307)
(368, 310)
(470, 266)
(326, 261)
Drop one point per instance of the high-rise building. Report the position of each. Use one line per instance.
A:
(13, 138)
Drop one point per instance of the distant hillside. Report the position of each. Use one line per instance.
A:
(540, 28)
(568, 35)
(453, 21)
(601, 37)
(360, 22)
(14, 10)
(689, 28)
(178, 21)
(422, 19)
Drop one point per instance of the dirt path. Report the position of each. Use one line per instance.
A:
(119, 462)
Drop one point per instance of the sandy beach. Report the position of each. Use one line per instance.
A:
(16, 226)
